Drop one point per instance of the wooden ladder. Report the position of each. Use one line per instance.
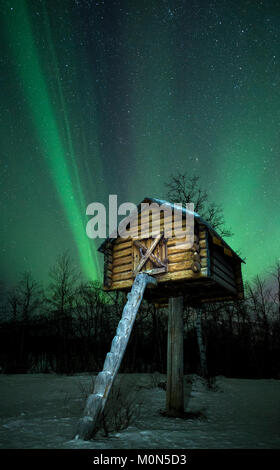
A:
(97, 400)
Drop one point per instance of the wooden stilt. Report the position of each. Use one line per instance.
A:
(175, 359)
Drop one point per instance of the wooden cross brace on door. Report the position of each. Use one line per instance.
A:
(147, 254)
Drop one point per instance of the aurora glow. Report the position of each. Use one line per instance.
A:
(111, 97)
(36, 93)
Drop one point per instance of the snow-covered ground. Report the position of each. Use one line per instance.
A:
(41, 411)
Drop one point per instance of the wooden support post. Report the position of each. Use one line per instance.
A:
(175, 358)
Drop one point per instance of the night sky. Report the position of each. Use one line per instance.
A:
(112, 97)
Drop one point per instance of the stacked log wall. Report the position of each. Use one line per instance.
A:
(183, 262)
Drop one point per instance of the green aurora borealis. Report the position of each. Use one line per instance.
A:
(48, 134)
(112, 97)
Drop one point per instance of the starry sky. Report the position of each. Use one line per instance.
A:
(113, 97)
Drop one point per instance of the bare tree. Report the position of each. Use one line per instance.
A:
(64, 277)
(13, 302)
(201, 344)
(260, 300)
(24, 302)
(30, 296)
(91, 322)
(61, 293)
(187, 189)
(276, 276)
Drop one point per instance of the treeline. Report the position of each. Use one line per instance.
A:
(69, 328)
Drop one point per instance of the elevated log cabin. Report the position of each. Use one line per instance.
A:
(207, 271)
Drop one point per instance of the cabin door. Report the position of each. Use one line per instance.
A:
(150, 255)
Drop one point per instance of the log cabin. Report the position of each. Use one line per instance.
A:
(199, 266)
(207, 271)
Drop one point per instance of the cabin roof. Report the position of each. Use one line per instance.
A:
(175, 206)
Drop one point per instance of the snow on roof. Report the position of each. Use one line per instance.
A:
(174, 206)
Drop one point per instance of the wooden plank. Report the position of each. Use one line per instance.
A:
(223, 283)
(122, 268)
(186, 256)
(223, 263)
(227, 262)
(136, 256)
(186, 274)
(203, 262)
(154, 271)
(176, 241)
(181, 256)
(156, 260)
(181, 234)
(228, 252)
(180, 266)
(148, 216)
(121, 284)
(183, 246)
(145, 221)
(149, 222)
(228, 272)
(121, 254)
(203, 243)
(122, 276)
(173, 247)
(162, 225)
(202, 235)
(216, 270)
(203, 253)
(147, 233)
(148, 265)
(220, 255)
(147, 254)
(122, 246)
(160, 251)
(175, 358)
(120, 241)
(223, 267)
(121, 261)
(217, 241)
(136, 231)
